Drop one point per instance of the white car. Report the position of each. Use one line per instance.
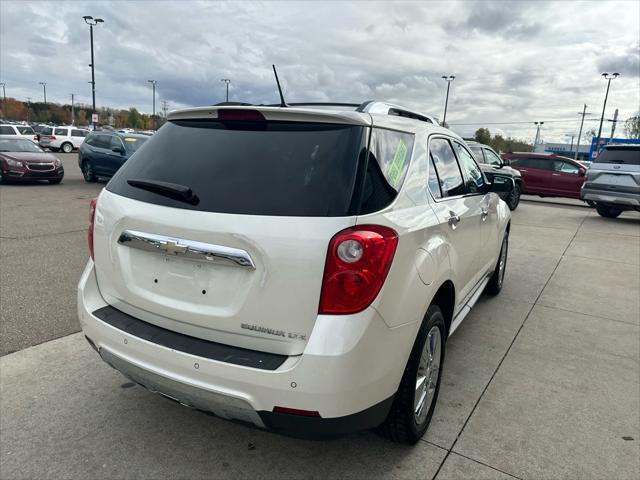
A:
(19, 130)
(67, 138)
(296, 268)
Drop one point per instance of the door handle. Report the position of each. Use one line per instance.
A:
(555, 174)
(523, 170)
(484, 214)
(453, 219)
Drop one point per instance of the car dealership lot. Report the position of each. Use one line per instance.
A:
(540, 382)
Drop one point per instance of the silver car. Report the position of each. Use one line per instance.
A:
(613, 180)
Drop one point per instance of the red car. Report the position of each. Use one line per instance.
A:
(23, 160)
(548, 175)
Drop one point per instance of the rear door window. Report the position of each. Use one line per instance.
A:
(102, 141)
(492, 158)
(565, 167)
(448, 171)
(46, 131)
(477, 152)
(78, 133)
(253, 168)
(26, 130)
(63, 132)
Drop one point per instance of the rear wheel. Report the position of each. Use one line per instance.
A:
(67, 147)
(514, 197)
(417, 394)
(88, 172)
(497, 279)
(607, 212)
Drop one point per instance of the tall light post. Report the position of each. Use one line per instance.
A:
(447, 79)
(44, 88)
(608, 77)
(535, 142)
(92, 22)
(4, 98)
(153, 83)
(73, 116)
(226, 81)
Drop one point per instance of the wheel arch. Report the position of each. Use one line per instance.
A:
(445, 298)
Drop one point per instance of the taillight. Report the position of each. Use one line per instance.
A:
(358, 261)
(92, 215)
(240, 115)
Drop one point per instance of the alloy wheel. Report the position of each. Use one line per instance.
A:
(427, 375)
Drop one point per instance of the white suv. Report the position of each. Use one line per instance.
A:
(19, 130)
(62, 138)
(296, 268)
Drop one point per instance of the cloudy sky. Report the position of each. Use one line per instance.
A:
(514, 62)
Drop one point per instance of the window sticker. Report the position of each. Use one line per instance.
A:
(395, 168)
(129, 139)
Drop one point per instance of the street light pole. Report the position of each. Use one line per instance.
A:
(153, 83)
(73, 116)
(226, 81)
(447, 79)
(92, 22)
(4, 98)
(535, 142)
(44, 87)
(604, 105)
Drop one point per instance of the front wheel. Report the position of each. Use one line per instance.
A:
(88, 172)
(514, 197)
(416, 398)
(607, 212)
(497, 279)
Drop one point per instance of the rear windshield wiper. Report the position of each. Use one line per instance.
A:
(176, 191)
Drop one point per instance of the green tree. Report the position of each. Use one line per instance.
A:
(483, 136)
(632, 127)
(135, 119)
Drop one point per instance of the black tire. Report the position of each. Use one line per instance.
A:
(88, 172)
(66, 147)
(591, 203)
(513, 200)
(55, 181)
(497, 279)
(401, 425)
(607, 212)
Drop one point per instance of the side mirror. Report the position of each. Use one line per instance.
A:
(119, 150)
(506, 162)
(501, 184)
(582, 172)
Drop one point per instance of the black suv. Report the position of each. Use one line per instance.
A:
(491, 163)
(104, 152)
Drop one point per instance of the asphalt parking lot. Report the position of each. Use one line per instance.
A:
(542, 381)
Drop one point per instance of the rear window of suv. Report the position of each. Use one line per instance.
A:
(626, 156)
(253, 168)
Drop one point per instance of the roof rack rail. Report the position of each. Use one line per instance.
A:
(373, 106)
(314, 104)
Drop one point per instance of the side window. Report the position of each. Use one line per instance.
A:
(63, 132)
(477, 153)
(78, 133)
(448, 171)
(392, 150)
(102, 141)
(6, 130)
(565, 167)
(472, 173)
(46, 131)
(26, 130)
(539, 163)
(90, 140)
(492, 158)
(115, 143)
(433, 181)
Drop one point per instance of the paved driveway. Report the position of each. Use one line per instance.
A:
(540, 382)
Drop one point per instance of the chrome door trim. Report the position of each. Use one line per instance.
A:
(191, 249)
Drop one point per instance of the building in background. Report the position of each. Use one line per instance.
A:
(565, 149)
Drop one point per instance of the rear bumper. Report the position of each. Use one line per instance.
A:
(349, 378)
(620, 199)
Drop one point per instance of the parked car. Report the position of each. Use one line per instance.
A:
(62, 138)
(296, 268)
(491, 164)
(19, 130)
(22, 160)
(548, 175)
(613, 180)
(104, 152)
